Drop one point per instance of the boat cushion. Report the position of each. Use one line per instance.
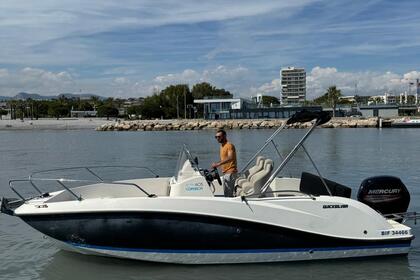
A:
(259, 164)
(257, 181)
(246, 176)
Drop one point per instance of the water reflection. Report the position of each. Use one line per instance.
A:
(344, 155)
(67, 265)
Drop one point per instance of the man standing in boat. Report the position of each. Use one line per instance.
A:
(227, 162)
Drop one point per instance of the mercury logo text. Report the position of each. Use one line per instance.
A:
(384, 191)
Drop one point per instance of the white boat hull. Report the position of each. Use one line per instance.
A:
(244, 256)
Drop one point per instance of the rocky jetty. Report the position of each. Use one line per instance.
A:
(199, 124)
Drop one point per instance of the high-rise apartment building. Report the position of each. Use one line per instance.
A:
(293, 85)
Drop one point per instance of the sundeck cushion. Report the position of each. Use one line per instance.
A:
(312, 184)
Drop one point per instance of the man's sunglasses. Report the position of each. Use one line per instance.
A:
(218, 136)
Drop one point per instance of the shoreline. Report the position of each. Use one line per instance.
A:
(101, 124)
(200, 124)
(53, 124)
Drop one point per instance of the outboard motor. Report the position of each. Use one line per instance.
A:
(385, 194)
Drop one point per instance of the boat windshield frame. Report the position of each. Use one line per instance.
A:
(183, 156)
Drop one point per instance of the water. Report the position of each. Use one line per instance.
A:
(344, 155)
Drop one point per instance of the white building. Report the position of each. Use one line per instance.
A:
(293, 85)
(220, 108)
(83, 114)
(348, 98)
(390, 98)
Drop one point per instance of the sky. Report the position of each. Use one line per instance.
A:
(132, 48)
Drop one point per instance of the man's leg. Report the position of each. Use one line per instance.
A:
(229, 184)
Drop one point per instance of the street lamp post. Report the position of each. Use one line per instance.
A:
(185, 104)
(177, 106)
(411, 83)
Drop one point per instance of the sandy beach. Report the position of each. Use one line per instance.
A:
(53, 124)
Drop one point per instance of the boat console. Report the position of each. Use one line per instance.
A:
(191, 180)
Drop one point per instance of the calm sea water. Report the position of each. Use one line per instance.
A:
(344, 155)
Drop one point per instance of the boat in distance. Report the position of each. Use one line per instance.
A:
(186, 219)
(406, 123)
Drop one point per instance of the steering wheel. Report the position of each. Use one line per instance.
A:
(217, 176)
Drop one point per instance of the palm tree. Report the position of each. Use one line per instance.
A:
(333, 96)
(12, 105)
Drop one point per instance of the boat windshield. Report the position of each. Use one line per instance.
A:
(185, 155)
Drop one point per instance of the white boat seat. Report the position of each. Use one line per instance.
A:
(259, 165)
(245, 177)
(257, 181)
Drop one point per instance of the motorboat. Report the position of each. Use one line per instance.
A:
(406, 123)
(186, 219)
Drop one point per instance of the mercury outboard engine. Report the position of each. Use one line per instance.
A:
(385, 194)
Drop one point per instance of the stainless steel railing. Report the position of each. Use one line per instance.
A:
(403, 217)
(62, 181)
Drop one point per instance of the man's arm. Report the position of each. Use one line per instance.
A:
(228, 159)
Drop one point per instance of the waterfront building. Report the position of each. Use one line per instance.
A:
(4, 107)
(407, 110)
(379, 110)
(219, 108)
(390, 99)
(348, 98)
(281, 112)
(293, 85)
(343, 110)
(240, 108)
(402, 98)
(375, 99)
(362, 99)
(83, 114)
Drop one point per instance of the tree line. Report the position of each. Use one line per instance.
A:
(175, 101)
(331, 98)
(56, 108)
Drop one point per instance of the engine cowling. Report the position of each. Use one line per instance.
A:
(385, 194)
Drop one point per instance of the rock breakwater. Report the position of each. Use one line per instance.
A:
(198, 124)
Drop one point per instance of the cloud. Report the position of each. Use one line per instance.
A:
(238, 80)
(63, 33)
(319, 79)
(4, 73)
(37, 80)
(145, 44)
(223, 73)
(411, 76)
(361, 83)
(273, 88)
(34, 80)
(186, 77)
(121, 80)
(230, 78)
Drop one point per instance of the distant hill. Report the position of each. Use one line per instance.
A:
(79, 95)
(36, 96)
